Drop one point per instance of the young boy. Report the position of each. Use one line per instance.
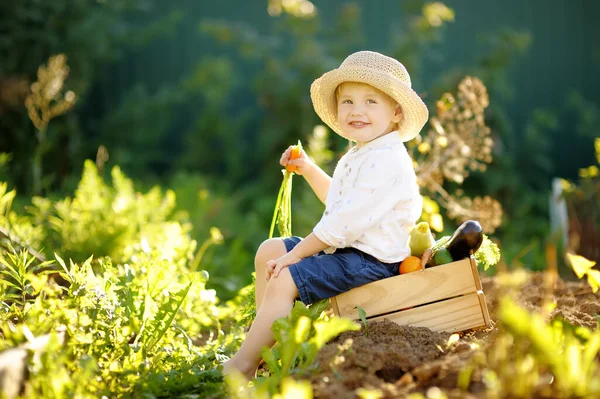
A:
(371, 202)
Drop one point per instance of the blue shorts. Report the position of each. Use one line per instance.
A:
(327, 275)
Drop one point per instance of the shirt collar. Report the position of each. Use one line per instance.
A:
(392, 138)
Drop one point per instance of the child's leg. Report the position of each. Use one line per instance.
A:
(279, 298)
(270, 249)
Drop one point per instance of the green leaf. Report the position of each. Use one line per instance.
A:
(282, 215)
(317, 308)
(61, 262)
(488, 254)
(164, 317)
(269, 358)
(299, 309)
(277, 208)
(11, 271)
(362, 315)
(11, 284)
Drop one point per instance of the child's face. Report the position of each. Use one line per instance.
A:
(366, 113)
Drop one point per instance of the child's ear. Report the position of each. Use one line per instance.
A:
(397, 114)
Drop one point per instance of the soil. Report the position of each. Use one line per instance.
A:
(399, 360)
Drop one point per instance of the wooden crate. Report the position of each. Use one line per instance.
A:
(443, 298)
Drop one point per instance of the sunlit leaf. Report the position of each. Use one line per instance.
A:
(61, 262)
(363, 393)
(302, 329)
(454, 338)
(590, 352)
(292, 389)
(325, 331)
(162, 320)
(580, 264)
(594, 279)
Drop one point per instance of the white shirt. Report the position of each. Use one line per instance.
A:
(373, 201)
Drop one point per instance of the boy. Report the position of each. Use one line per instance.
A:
(371, 202)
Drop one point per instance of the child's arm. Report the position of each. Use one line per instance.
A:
(305, 248)
(318, 180)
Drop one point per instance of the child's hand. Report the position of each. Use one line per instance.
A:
(302, 163)
(274, 266)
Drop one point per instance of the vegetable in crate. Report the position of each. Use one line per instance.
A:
(437, 254)
(466, 240)
(441, 257)
(420, 239)
(410, 264)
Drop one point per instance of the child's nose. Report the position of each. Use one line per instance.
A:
(357, 110)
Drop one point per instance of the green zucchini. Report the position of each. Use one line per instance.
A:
(440, 257)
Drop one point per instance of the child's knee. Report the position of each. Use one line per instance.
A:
(270, 249)
(282, 286)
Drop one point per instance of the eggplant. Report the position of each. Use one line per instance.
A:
(465, 241)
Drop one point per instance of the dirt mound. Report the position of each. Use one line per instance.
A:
(399, 360)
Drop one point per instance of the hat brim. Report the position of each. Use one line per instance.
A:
(414, 110)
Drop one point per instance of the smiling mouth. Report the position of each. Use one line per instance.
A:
(359, 124)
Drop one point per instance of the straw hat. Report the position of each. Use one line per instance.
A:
(383, 73)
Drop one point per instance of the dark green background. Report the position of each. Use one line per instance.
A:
(564, 55)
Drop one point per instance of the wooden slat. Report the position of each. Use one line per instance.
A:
(475, 273)
(407, 290)
(451, 315)
(484, 308)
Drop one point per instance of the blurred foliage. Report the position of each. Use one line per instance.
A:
(45, 102)
(457, 143)
(91, 35)
(297, 8)
(523, 163)
(584, 210)
(131, 313)
(113, 221)
(533, 357)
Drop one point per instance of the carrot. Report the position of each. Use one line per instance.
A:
(295, 154)
(282, 215)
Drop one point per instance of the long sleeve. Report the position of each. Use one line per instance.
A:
(381, 184)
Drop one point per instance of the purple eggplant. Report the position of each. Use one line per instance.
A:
(466, 240)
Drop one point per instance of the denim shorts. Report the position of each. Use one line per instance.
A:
(326, 275)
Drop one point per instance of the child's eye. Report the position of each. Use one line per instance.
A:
(346, 102)
(370, 101)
